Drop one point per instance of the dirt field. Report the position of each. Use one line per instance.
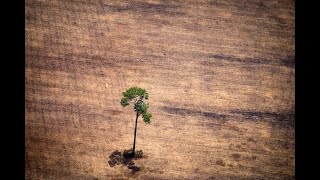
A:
(220, 76)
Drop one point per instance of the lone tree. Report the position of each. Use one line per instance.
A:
(138, 97)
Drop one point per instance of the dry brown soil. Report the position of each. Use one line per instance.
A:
(220, 75)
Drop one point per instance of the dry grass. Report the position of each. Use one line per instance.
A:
(220, 75)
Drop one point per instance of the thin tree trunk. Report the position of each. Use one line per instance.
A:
(135, 133)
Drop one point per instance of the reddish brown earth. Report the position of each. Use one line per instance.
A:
(220, 76)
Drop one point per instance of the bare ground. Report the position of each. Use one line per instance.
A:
(220, 75)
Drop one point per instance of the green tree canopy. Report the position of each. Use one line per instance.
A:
(138, 96)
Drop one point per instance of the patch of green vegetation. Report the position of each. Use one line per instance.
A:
(129, 153)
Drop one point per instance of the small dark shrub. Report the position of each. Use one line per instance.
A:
(129, 153)
(138, 154)
(125, 158)
(236, 156)
(220, 162)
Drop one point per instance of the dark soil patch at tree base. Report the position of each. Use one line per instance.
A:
(117, 158)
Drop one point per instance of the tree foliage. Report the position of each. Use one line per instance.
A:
(138, 97)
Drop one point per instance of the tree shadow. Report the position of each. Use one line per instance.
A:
(117, 158)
